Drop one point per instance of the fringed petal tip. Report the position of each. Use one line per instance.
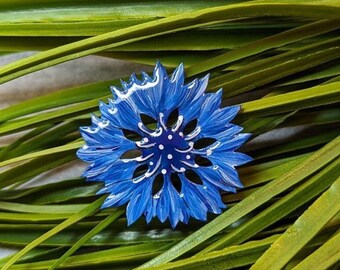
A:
(165, 180)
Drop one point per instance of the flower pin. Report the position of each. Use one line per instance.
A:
(180, 167)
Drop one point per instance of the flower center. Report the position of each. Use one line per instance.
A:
(167, 149)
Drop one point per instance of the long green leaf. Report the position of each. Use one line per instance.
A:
(302, 231)
(229, 258)
(258, 198)
(289, 36)
(159, 27)
(312, 97)
(54, 150)
(32, 168)
(278, 210)
(324, 257)
(29, 208)
(71, 220)
(102, 225)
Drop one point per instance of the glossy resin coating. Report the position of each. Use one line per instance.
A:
(174, 176)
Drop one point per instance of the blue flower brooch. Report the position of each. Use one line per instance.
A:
(165, 148)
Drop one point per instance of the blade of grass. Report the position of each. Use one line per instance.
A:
(28, 170)
(187, 41)
(47, 138)
(289, 36)
(119, 255)
(327, 115)
(262, 176)
(306, 142)
(29, 208)
(292, 201)
(7, 149)
(324, 257)
(93, 207)
(54, 150)
(57, 99)
(297, 100)
(229, 258)
(277, 67)
(50, 117)
(302, 231)
(159, 27)
(102, 225)
(32, 217)
(258, 198)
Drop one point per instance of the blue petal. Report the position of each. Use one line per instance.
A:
(147, 96)
(139, 201)
(103, 134)
(228, 173)
(232, 158)
(217, 121)
(120, 193)
(163, 205)
(177, 207)
(111, 171)
(210, 176)
(174, 92)
(109, 112)
(212, 102)
(211, 197)
(233, 144)
(128, 115)
(193, 99)
(196, 206)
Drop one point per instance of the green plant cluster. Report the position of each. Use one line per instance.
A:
(278, 59)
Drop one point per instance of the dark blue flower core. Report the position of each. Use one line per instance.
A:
(164, 150)
(167, 148)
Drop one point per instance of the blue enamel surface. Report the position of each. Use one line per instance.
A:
(165, 150)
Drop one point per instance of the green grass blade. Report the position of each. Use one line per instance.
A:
(119, 255)
(229, 258)
(93, 207)
(311, 97)
(277, 67)
(289, 36)
(302, 231)
(54, 150)
(171, 24)
(285, 181)
(32, 168)
(57, 99)
(324, 257)
(299, 196)
(29, 208)
(102, 225)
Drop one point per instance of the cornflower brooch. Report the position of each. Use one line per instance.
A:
(170, 170)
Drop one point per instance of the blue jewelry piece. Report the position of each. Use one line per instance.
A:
(189, 176)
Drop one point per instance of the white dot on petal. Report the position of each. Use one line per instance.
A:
(181, 195)
(146, 139)
(151, 163)
(181, 134)
(169, 136)
(188, 156)
(169, 156)
(182, 169)
(161, 147)
(163, 171)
